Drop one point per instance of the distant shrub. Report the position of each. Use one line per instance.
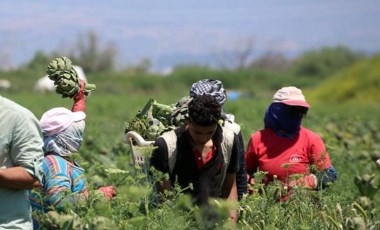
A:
(325, 61)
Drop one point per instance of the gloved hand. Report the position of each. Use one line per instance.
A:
(311, 181)
(250, 183)
(80, 99)
(108, 191)
(308, 181)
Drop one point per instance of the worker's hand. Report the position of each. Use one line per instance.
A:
(85, 193)
(250, 184)
(80, 99)
(108, 191)
(309, 181)
(37, 184)
(80, 94)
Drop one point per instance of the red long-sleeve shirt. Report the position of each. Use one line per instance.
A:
(282, 156)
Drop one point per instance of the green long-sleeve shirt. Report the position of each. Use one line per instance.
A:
(20, 145)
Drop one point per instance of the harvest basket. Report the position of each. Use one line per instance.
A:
(140, 148)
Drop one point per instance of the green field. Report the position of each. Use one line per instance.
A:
(350, 129)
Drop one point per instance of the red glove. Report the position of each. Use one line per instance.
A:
(311, 181)
(80, 99)
(108, 191)
(308, 181)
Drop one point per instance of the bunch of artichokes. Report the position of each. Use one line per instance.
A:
(151, 121)
(66, 80)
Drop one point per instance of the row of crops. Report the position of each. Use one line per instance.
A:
(351, 133)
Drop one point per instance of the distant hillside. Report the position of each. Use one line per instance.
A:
(358, 83)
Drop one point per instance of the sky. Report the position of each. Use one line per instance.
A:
(170, 32)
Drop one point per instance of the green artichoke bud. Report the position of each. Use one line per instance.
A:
(137, 125)
(57, 65)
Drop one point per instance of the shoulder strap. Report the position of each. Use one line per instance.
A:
(232, 126)
(171, 144)
(226, 145)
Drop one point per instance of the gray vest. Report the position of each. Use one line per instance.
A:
(226, 145)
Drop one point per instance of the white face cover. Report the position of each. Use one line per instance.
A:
(66, 142)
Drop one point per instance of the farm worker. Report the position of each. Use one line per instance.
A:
(216, 90)
(20, 153)
(285, 148)
(200, 153)
(62, 179)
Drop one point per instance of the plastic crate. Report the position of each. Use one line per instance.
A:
(139, 149)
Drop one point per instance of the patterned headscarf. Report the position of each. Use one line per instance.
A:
(66, 142)
(278, 119)
(209, 87)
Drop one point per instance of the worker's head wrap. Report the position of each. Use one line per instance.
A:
(280, 121)
(213, 88)
(210, 87)
(67, 142)
(63, 131)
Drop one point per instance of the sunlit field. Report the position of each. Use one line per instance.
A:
(351, 133)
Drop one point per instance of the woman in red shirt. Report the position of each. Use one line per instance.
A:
(285, 148)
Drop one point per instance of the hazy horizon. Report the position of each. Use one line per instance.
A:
(169, 32)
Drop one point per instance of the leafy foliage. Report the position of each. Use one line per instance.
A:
(359, 83)
(325, 61)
